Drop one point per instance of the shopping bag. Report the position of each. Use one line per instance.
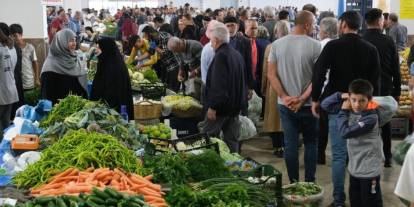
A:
(247, 128)
(255, 108)
(387, 108)
(400, 150)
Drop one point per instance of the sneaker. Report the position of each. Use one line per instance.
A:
(278, 152)
(336, 205)
(387, 163)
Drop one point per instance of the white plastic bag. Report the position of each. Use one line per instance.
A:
(255, 108)
(247, 128)
(388, 106)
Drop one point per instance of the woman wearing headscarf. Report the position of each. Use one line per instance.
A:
(62, 73)
(112, 83)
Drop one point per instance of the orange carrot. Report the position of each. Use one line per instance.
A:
(148, 177)
(147, 191)
(153, 199)
(104, 175)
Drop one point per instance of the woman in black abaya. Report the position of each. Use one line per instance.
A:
(112, 83)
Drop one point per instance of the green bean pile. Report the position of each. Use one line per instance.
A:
(79, 149)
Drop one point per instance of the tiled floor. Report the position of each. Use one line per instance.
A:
(260, 150)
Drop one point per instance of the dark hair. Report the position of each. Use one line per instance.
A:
(60, 11)
(16, 28)
(149, 30)
(132, 40)
(89, 28)
(373, 15)
(325, 14)
(393, 17)
(243, 12)
(5, 29)
(230, 19)
(158, 19)
(5, 39)
(386, 15)
(352, 19)
(283, 15)
(217, 12)
(310, 8)
(166, 28)
(361, 87)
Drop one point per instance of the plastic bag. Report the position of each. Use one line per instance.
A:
(400, 150)
(35, 113)
(387, 108)
(247, 128)
(255, 108)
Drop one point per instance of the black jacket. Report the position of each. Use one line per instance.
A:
(390, 79)
(348, 58)
(244, 47)
(112, 83)
(225, 86)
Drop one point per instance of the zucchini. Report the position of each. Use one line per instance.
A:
(100, 194)
(92, 204)
(113, 193)
(111, 202)
(132, 204)
(43, 200)
(29, 204)
(51, 203)
(96, 200)
(60, 202)
(73, 204)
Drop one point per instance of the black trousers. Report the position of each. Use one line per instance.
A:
(323, 133)
(386, 139)
(365, 192)
(277, 139)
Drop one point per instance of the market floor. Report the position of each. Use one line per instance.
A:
(260, 149)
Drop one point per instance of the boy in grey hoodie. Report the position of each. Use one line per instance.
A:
(358, 123)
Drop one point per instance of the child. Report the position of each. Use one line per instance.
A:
(30, 68)
(358, 123)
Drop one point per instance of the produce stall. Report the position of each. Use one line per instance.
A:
(400, 123)
(88, 155)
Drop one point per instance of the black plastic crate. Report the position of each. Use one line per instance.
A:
(153, 91)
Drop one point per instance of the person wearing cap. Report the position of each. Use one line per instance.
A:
(244, 47)
(390, 68)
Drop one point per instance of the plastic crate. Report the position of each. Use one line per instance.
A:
(400, 126)
(157, 145)
(268, 171)
(153, 91)
(185, 126)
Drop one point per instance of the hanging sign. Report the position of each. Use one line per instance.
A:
(406, 9)
(52, 2)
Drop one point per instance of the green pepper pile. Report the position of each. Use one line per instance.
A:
(79, 149)
(65, 108)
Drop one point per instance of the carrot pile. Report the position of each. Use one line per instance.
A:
(74, 182)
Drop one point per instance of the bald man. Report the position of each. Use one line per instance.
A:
(290, 70)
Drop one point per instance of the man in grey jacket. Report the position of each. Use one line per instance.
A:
(358, 122)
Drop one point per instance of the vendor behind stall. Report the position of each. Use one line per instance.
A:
(141, 53)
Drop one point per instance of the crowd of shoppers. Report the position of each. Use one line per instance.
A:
(293, 59)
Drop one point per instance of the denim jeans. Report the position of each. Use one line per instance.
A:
(339, 156)
(293, 123)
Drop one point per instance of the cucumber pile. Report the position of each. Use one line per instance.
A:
(107, 197)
